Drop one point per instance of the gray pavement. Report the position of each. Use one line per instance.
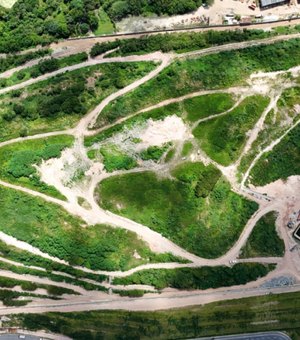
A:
(250, 336)
(19, 337)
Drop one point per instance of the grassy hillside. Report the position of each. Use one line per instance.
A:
(197, 210)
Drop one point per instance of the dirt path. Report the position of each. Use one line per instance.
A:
(267, 149)
(156, 241)
(157, 56)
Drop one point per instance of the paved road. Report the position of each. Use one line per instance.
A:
(251, 336)
(19, 336)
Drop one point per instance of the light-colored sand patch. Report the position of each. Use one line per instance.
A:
(7, 3)
(287, 191)
(151, 133)
(67, 173)
(170, 129)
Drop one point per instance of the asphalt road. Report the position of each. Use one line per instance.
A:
(251, 336)
(18, 337)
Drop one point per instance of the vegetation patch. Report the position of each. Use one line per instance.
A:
(223, 138)
(52, 230)
(280, 163)
(197, 278)
(182, 42)
(59, 102)
(264, 240)
(197, 210)
(18, 161)
(105, 26)
(155, 152)
(253, 314)
(31, 286)
(208, 105)
(186, 149)
(116, 159)
(43, 67)
(215, 71)
(15, 60)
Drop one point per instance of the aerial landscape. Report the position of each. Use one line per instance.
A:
(149, 169)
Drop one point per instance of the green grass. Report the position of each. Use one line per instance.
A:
(197, 210)
(280, 163)
(197, 278)
(105, 26)
(17, 161)
(59, 102)
(170, 155)
(115, 159)
(208, 105)
(253, 314)
(187, 148)
(223, 138)
(264, 240)
(216, 71)
(52, 230)
(155, 152)
(274, 126)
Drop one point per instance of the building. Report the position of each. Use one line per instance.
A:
(272, 3)
(297, 233)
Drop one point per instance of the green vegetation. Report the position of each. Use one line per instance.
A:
(223, 138)
(280, 163)
(30, 23)
(187, 148)
(30, 286)
(264, 240)
(182, 42)
(214, 71)
(197, 210)
(274, 126)
(18, 160)
(15, 60)
(170, 155)
(44, 66)
(208, 105)
(51, 229)
(197, 278)
(131, 293)
(116, 159)
(59, 102)
(57, 277)
(155, 152)
(253, 314)
(105, 26)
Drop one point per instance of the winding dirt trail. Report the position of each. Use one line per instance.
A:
(156, 56)
(156, 241)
